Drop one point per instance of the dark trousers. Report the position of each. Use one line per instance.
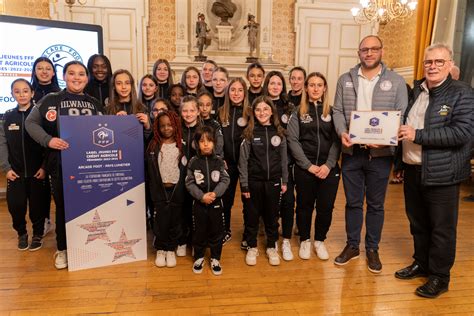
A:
(365, 175)
(46, 201)
(186, 219)
(433, 215)
(58, 195)
(310, 190)
(167, 225)
(229, 195)
(264, 201)
(27, 193)
(287, 207)
(208, 229)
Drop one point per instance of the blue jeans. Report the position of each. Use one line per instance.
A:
(365, 175)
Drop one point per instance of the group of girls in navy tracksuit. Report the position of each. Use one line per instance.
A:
(202, 136)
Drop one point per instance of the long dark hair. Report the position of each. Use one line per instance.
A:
(248, 131)
(114, 104)
(183, 79)
(170, 72)
(34, 80)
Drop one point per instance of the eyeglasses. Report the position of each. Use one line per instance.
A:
(437, 62)
(365, 50)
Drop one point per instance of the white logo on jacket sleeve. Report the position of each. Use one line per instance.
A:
(215, 175)
(241, 122)
(276, 141)
(284, 119)
(184, 160)
(349, 84)
(198, 176)
(386, 85)
(51, 115)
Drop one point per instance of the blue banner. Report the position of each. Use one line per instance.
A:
(104, 195)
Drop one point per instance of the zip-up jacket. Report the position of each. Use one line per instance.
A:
(390, 94)
(232, 132)
(18, 151)
(447, 134)
(98, 90)
(219, 146)
(42, 90)
(264, 158)
(158, 192)
(313, 140)
(207, 174)
(217, 103)
(189, 146)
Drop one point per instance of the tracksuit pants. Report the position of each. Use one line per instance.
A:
(167, 224)
(287, 207)
(208, 229)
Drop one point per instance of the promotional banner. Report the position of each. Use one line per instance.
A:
(104, 190)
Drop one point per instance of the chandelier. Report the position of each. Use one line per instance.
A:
(383, 11)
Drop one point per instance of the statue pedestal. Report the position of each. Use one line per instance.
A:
(251, 60)
(200, 58)
(224, 35)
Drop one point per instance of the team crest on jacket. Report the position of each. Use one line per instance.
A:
(386, 85)
(241, 122)
(444, 110)
(215, 175)
(326, 118)
(198, 176)
(51, 115)
(284, 119)
(306, 118)
(276, 141)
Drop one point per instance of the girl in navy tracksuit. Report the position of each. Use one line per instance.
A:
(43, 78)
(100, 76)
(191, 81)
(148, 91)
(21, 158)
(207, 181)
(205, 112)
(233, 117)
(220, 79)
(263, 171)
(190, 121)
(255, 76)
(275, 88)
(315, 147)
(166, 173)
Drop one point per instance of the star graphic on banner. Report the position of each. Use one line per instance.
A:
(97, 228)
(124, 246)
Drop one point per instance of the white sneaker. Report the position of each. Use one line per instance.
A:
(251, 257)
(286, 250)
(321, 250)
(170, 259)
(181, 251)
(60, 259)
(160, 260)
(273, 257)
(47, 226)
(198, 266)
(305, 249)
(216, 267)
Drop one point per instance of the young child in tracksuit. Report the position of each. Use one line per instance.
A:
(207, 181)
(263, 169)
(166, 173)
(21, 158)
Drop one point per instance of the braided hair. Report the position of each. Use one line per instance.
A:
(157, 141)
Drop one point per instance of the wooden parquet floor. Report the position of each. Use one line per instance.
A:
(30, 284)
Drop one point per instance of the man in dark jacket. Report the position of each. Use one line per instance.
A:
(436, 142)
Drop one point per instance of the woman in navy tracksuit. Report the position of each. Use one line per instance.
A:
(316, 148)
(21, 158)
(233, 117)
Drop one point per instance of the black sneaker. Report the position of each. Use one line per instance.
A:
(198, 265)
(36, 243)
(346, 255)
(244, 245)
(23, 242)
(216, 267)
(373, 261)
(227, 238)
